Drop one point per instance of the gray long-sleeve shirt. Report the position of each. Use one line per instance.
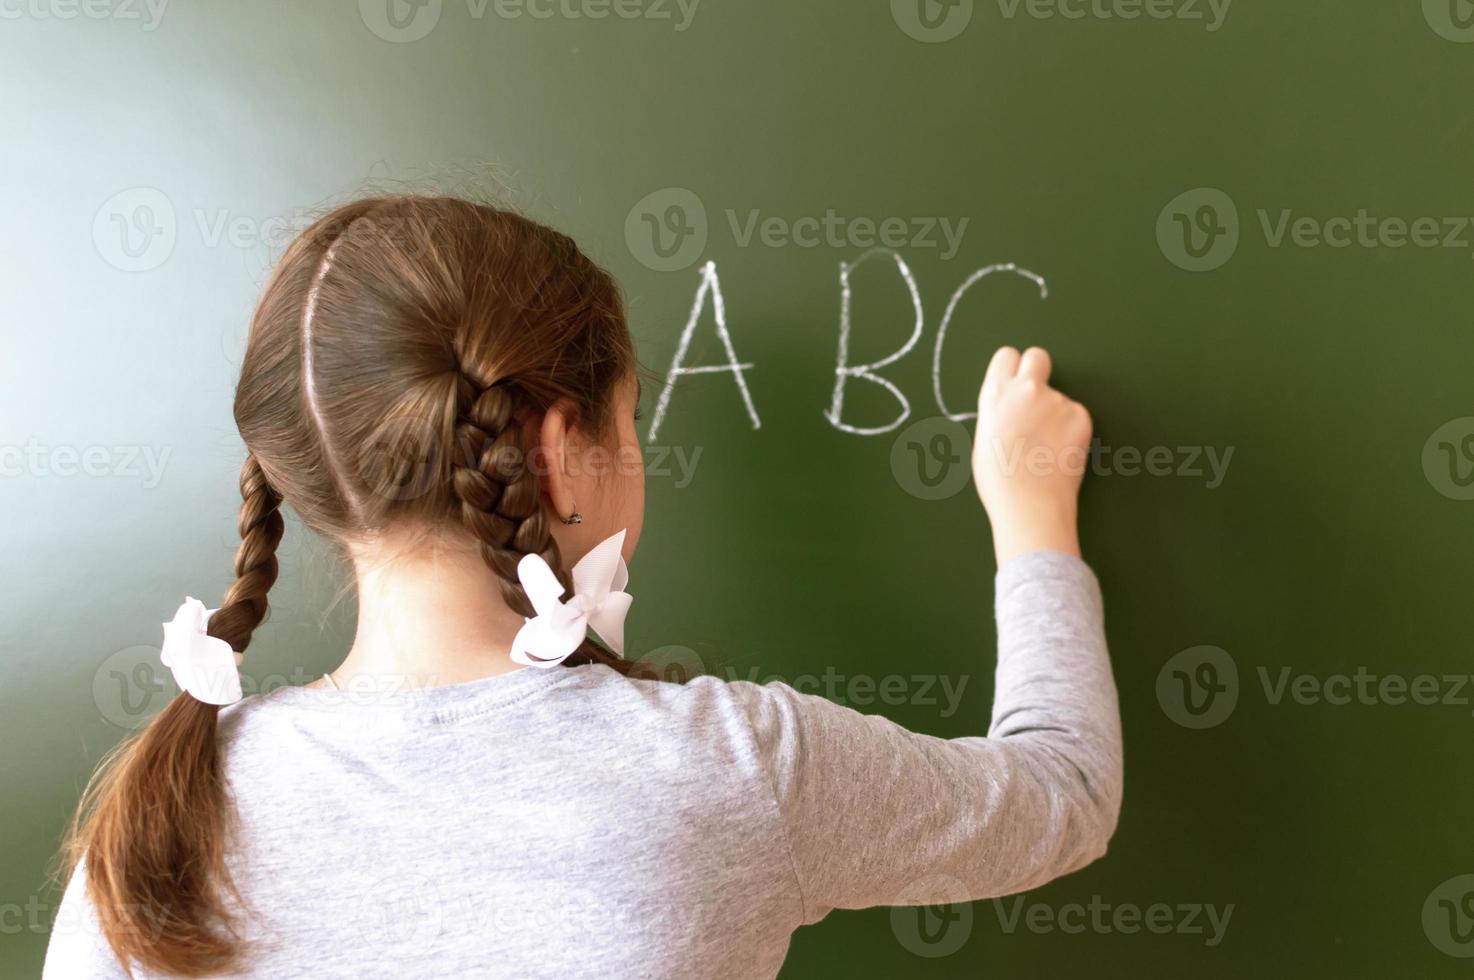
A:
(574, 823)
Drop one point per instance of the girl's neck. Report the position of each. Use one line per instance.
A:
(428, 615)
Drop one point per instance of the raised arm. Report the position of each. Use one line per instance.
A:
(877, 815)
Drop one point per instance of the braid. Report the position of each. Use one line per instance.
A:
(261, 526)
(498, 491)
(151, 826)
(502, 506)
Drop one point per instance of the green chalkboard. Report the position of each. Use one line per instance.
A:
(1248, 233)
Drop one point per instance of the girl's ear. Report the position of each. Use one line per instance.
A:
(552, 449)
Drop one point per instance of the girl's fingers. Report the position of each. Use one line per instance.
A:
(1001, 369)
(1035, 364)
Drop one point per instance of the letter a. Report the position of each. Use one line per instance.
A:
(711, 285)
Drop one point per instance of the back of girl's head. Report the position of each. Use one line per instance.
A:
(394, 354)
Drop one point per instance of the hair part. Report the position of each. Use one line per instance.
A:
(395, 354)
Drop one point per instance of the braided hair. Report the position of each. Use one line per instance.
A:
(395, 354)
(500, 504)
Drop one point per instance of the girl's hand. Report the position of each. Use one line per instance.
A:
(1029, 456)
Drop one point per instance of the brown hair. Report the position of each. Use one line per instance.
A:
(397, 348)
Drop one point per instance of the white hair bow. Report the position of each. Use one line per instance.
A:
(203, 666)
(599, 602)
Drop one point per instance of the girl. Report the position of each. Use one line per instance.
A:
(482, 790)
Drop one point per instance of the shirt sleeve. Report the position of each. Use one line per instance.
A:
(77, 947)
(878, 815)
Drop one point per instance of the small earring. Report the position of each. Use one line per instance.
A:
(573, 518)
